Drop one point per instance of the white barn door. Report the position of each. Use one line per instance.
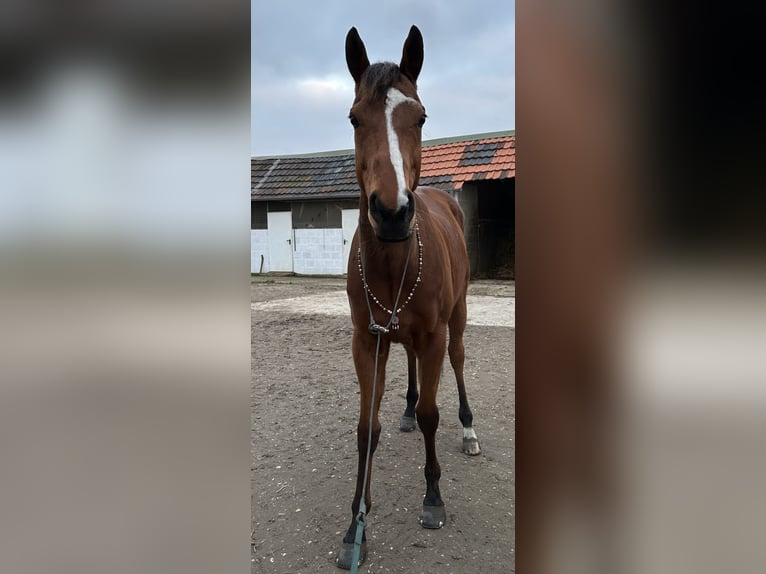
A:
(280, 240)
(349, 223)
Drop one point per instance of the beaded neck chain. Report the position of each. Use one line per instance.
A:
(394, 318)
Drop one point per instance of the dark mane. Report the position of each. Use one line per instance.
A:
(379, 77)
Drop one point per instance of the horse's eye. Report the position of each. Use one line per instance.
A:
(422, 120)
(354, 121)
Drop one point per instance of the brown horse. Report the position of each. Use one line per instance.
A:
(407, 275)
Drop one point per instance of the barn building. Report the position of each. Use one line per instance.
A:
(305, 208)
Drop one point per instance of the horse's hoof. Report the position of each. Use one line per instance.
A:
(433, 516)
(346, 555)
(407, 424)
(471, 446)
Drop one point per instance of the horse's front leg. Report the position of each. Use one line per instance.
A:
(363, 347)
(430, 360)
(407, 422)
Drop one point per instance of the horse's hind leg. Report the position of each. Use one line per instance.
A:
(407, 422)
(457, 359)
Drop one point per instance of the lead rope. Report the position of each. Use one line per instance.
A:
(378, 330)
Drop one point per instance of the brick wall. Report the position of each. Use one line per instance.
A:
(318, 252)
(259, 245)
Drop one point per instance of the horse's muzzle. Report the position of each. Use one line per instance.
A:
(392, 226)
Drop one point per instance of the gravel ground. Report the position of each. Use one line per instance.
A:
(304, 414)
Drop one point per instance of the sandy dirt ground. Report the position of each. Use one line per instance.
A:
(305, 404)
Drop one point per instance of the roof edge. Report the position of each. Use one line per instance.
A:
(313, 154)
(426, 143)
(303, 196)
(482, 136)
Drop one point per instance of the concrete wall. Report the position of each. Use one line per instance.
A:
(468, 198)
(318, 252)
(259, 245)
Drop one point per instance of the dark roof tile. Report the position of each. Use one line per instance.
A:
(445, 165)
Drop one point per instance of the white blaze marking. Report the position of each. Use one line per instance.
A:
(393, 98)
(469, 433)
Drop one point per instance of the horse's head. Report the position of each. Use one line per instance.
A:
(387, 117)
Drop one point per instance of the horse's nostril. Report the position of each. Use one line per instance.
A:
(396, 216)
(410, 202)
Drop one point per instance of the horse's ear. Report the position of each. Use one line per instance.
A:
(356, 55)
(412, 55)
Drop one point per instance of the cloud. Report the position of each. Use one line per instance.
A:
(330, 89)
(328, 95)
(301, 90)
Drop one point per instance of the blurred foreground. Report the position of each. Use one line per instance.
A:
(124, 346)
(641, 290)
(125, 349)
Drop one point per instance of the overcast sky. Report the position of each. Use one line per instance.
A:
(302, 91)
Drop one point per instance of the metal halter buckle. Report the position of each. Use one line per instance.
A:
(376, 329)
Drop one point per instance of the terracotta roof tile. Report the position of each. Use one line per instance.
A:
(446, 165)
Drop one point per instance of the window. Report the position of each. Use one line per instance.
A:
(316, 215)
(258, 217)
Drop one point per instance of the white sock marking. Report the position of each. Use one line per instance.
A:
(393, 98)
(469, 433)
